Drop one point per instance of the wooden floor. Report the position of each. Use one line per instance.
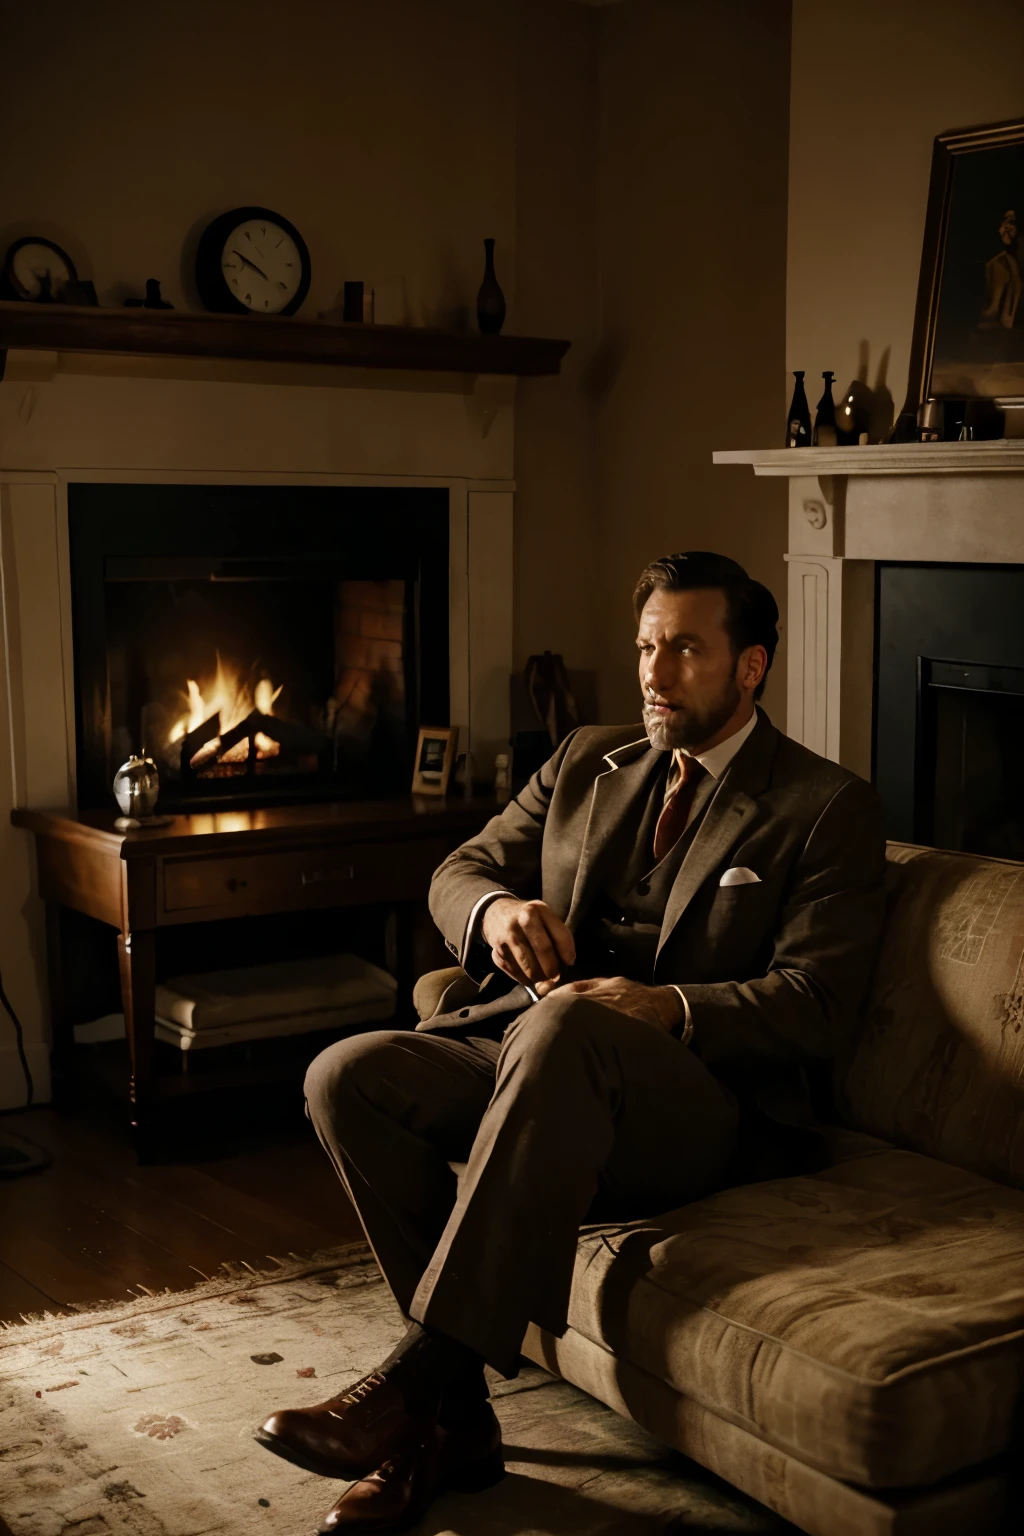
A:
(96, 1224)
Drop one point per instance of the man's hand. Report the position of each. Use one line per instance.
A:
(528, 940)
(656, 1005)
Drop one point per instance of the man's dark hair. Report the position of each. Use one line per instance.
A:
(752, 614)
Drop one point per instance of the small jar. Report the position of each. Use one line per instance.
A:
(136, 788)
(930, 422)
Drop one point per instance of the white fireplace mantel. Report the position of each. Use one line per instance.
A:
(850, 508)
(1003, 457)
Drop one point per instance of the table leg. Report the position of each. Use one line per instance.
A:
(137, 956)
(62, 1061)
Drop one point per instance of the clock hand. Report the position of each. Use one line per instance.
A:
(252, 264)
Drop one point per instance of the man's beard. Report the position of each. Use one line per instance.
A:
(692, 725)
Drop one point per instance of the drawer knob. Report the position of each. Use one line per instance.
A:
(235, 884)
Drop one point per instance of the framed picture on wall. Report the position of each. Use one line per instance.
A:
(435, 754)
(969, 321)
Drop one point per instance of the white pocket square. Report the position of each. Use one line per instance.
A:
(740, 876)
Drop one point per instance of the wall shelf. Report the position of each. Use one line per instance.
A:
(65, 328)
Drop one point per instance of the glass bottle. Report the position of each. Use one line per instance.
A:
(490, 301)
(825, 416)
(798, 423)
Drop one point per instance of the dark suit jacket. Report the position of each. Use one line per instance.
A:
(774, 972)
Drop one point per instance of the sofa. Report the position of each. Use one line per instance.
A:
(847, 1346)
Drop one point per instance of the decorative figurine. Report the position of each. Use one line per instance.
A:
(136, 788)
(490, 301)
(153, 299)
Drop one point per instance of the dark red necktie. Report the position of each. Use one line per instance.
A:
(673, 819)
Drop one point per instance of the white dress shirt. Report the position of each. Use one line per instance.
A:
(714, 762)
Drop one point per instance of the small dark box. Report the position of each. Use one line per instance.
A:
(352, 302)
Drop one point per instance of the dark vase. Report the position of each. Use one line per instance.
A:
(825, 417)
(853, 415)
(798, 422)
(490, 301)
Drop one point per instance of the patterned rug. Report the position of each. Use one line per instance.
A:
(137, 1420)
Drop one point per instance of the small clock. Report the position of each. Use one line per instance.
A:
(38, 270)
(252, 261)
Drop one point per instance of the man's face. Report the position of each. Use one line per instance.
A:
(692, 684)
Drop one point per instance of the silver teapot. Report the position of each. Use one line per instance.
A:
(136, 788)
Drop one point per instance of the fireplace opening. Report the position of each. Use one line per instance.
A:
(261, 644)
(949, 715)
(972, 741)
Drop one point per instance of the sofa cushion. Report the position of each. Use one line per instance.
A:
(939, 1062)
(868, 1319)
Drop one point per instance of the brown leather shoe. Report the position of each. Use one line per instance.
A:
(400, 1491)
(346, 1436)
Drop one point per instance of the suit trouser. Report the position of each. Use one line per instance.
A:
(579, 1112)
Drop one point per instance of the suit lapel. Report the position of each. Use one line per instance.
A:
(615, 793)
(733, 807)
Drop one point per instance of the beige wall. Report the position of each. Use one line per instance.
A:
(394, 134)
(870, 90)
(556, 295)
(692, 197)
(384, 129)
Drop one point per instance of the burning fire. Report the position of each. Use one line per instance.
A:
(233, 699)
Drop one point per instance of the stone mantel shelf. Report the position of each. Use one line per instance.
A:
(1006, 456)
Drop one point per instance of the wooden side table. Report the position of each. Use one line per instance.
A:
(206, 867)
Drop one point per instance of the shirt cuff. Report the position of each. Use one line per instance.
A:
(473, 922)
(684, 1029)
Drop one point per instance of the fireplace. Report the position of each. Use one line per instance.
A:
(263, 644)
(949, 721)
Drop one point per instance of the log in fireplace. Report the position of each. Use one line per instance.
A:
(263, 644)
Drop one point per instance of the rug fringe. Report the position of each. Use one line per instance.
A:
(348, 1256)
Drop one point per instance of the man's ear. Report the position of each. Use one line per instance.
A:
(753, 667)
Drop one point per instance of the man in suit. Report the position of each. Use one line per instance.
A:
(663, 939)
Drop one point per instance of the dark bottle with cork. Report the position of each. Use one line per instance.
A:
(825, 416)
(798, 423)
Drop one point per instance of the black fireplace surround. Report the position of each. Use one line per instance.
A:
(949, 706)
(263, 644)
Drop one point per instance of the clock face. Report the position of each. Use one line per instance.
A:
(261, 266)
(38, 269)
(252, 261)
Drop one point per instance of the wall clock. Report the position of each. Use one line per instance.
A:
(252, 261)
(37, 269)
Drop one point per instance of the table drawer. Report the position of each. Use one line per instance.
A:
(299, 878)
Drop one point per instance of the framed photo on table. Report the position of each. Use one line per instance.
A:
(969, 321)
(435, 756)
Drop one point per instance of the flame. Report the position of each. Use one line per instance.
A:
(231, 697)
